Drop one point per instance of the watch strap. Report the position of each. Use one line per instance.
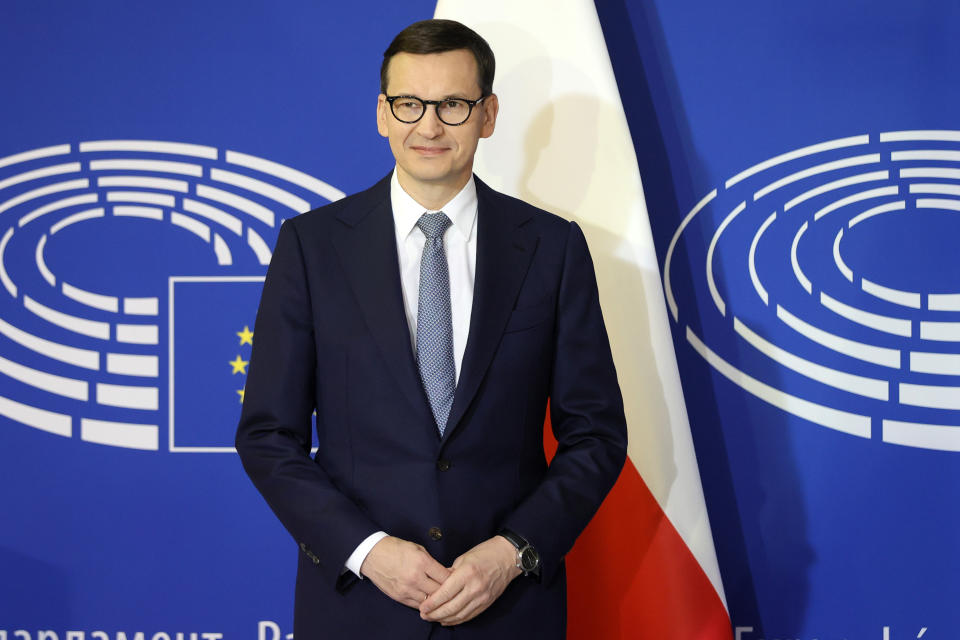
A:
(514, 538)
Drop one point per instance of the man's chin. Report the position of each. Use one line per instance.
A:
(434, 175)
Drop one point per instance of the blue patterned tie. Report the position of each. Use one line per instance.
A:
(434, 324)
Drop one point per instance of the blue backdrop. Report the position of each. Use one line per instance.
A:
(820, 533)
(819, 350)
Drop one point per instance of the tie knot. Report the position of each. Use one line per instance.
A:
(434, 224)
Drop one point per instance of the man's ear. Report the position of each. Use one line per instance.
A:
(490, 106)
(382, 108)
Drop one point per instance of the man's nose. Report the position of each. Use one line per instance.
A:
(430, 125)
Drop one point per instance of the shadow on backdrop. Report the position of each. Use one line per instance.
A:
(19, 597)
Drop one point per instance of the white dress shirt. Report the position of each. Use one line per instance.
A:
(460, 246)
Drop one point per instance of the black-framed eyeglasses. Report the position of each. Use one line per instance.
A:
(451, 111)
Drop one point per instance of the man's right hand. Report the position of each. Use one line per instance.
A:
(403, 570)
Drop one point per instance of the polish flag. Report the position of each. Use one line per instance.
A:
(646, 566)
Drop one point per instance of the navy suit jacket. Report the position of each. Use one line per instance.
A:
(331, 336)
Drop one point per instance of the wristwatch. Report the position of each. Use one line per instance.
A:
(528, 559)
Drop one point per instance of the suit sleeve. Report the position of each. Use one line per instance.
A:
(586, 414)
(274, 434)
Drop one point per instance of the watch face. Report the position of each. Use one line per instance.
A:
(529, 559)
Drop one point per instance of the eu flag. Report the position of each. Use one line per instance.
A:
(211, 335)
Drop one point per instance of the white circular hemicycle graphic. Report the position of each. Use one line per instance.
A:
(48, 324)
(820, 281)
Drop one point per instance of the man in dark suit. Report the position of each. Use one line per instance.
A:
(427, 321)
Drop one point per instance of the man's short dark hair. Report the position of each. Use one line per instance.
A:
(439, 36)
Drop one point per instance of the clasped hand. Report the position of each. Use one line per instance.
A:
(407, 573)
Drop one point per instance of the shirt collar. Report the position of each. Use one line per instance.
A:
(462, 209)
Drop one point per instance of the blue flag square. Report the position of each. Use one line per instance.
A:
(211, 337)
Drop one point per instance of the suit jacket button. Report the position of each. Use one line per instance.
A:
(435, 533)
(443, 465)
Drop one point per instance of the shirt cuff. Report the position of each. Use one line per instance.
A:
(355, 561)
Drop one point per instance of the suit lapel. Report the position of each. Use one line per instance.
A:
(367, 248)
(504, 251)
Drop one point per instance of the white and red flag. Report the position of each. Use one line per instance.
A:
(646, 566)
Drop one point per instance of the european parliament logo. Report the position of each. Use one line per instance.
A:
(825, 282)
(130, 272)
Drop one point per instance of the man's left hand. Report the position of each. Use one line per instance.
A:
(477, 578)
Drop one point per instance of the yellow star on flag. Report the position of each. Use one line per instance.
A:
(240, 393)
(246, 336)
(239, 365)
